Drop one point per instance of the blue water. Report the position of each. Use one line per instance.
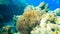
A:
(8, 23)
(53, 4)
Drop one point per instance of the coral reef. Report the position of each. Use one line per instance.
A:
(38, 20)
(28, 21)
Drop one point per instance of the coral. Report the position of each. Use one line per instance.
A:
(58, 20)
(37, 20)
(57, 12)
(28, 21)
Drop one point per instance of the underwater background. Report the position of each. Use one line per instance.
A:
(9, 8)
